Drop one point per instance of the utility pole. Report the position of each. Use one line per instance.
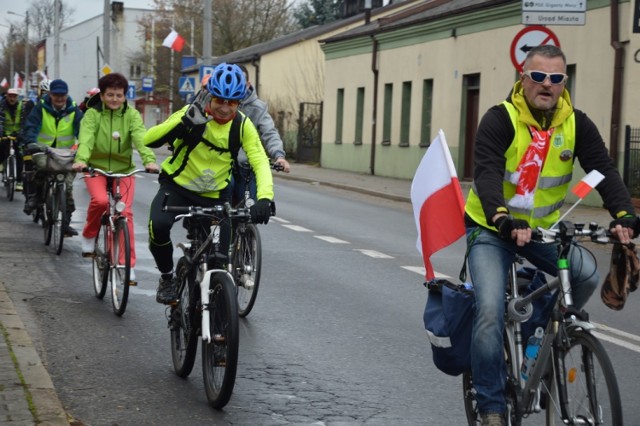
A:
(56, 39)
(206, 34)
(106, 30)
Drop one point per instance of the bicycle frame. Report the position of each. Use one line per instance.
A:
(563, 318)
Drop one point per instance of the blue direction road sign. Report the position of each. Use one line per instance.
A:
(206, 70)
(147, 84)
(131, 91)
(186, 85)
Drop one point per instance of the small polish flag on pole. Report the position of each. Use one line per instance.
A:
(174, 41)
(4, 83)
(582, 189)
(438, 204)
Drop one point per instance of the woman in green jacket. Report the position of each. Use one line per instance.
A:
(109, 130)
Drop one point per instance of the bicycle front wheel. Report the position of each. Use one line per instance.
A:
(184, 322)
(120, 266)
(247, 263)
(47, 214)
(100, 262)
(58, 213)
(220, 355)
(593, 396)
(11, 177)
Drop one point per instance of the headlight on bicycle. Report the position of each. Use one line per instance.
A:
(120, 206)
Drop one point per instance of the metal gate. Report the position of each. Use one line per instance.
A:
(631, 174)
(309, 132)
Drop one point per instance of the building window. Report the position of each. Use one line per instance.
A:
(339, 115)
(571, 81)
(359, 116)
(405, 117)
(427, 109)
(386, 122)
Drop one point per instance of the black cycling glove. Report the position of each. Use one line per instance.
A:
(506, 224)
(628, 221)
(261, 211)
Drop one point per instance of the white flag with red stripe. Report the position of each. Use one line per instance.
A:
(587, 183)
(438, 204)
(174, 41)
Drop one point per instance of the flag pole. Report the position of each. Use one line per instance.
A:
(566, 213)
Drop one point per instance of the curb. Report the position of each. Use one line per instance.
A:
(38, 401)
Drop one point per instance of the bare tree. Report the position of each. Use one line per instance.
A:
(41, 16)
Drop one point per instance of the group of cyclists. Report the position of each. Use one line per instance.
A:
(200, 170)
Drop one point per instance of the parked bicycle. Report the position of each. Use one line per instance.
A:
(52, 210)
(245, 255)
(206, 304)
(572, 378)
(111, 258)
(10, 170)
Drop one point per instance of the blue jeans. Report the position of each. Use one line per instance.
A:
(238, 184)
(489, 262)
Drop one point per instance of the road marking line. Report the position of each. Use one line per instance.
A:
(332, 240)
(297, 228)
(616, 331)
(615, 341)
(422, 271)
(279, 219)
(374, 254)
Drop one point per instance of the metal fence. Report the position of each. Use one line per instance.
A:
(631, 173)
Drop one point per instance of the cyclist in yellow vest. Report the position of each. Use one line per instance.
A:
(13, 113)
(524, 156)
(53, 122)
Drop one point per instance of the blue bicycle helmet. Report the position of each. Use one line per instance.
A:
(227, 82)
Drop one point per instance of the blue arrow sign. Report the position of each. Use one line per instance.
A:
(131, 91)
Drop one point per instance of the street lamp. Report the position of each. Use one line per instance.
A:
(26, 49)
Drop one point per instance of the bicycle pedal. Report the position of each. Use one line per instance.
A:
(133, 283)
(219, 339)
(89, 255)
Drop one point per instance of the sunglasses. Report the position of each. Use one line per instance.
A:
(539, 77)
(230, 102)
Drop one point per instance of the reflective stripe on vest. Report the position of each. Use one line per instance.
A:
(553, 182)
(61, 134)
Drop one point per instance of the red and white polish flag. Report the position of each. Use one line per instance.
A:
(438, 204)
(587, 183)
(174, 41)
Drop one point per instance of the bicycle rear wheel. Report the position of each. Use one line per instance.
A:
(100, 262)
(590, 381)
(120, 266)
(247, 263)
(58, 213)
(10, 184)
(220, 355)
(184, 322)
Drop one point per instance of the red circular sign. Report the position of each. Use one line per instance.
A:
(527, 39)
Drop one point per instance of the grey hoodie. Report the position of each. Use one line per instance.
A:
(256, 110)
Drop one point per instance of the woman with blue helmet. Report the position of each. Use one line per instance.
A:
(204, 136)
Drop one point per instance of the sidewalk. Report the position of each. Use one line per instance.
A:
(27, 395)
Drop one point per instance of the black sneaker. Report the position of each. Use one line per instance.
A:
(70, 231)
(166, 292)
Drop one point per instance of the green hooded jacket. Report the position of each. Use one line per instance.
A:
(107, 138)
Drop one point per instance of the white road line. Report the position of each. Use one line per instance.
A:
(332, 240)
(422, 271)
(279, 219)
(297, 228)
(616, 331)
(374, 254)
(616, 341)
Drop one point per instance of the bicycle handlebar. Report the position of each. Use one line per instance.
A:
(568, 231)
(94, 170)
(219, 211)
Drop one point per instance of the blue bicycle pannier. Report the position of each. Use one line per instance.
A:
(448, 319)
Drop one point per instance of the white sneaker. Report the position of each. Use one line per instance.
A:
(132, 275)
(88, 246)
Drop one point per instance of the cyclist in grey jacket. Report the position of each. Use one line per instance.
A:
(257, 111)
